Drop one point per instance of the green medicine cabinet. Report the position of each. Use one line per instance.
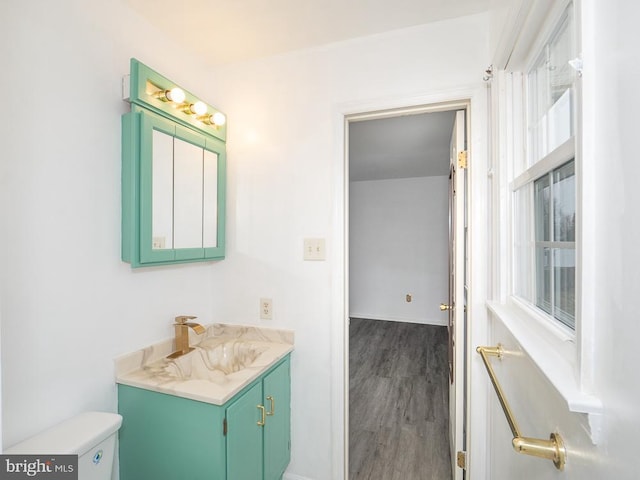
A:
(173, 173)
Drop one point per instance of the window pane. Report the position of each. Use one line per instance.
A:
(538, 105)
(523, 246)
(564, 280)
(560, 52)
(543, 279)
(550, 91)
(554, 199)
(542, 206)
(564, 203)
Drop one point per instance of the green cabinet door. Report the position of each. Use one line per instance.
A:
(244, 436)
(173, 192)
(277, 436)
(164, 437)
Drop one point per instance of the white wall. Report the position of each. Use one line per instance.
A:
(398, 245)
(65, 293)
(539, 410)
(69, 305)
(611, 79)
(286, 171)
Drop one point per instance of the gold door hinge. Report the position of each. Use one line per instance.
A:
(224, 427)
(462, 159)
(462, 460)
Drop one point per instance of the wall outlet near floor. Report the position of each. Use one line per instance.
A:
(266, 309)
(409, 298)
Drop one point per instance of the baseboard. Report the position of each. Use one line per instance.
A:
(430, 321)
(292, 476)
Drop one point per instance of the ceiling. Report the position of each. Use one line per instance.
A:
(225, 31)
(229, 31)
(400, 147)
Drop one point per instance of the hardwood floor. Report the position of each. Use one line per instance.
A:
(398, 401)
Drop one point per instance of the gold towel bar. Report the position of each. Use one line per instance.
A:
(552, 449)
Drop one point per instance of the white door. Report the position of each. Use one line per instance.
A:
(457, 292)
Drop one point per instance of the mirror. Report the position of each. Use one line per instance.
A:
(162, 191)
(210, 200)
(185, 194)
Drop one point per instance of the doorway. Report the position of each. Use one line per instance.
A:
(398, 270)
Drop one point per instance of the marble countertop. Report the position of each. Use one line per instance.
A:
(226, 358)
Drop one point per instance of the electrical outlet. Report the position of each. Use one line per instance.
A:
(158, 243)
(314, 249)
(266, 309)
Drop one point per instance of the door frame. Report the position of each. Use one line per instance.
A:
(474, 100)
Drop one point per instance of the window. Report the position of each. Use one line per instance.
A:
(555, 251)
(551, 96)
(545, 192)
(541, 279)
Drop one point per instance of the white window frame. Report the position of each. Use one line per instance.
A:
(555, 159)
(563, 355)
(543, 166)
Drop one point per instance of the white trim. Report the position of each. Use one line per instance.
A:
(475, 98)
(458, 248)
(339, 395)
(561, 333)
(553, 160)
(587, 284)
(291, 476)
(477, 330)
(509, 35)
(557, 245)
(542, 27)
(533, 25)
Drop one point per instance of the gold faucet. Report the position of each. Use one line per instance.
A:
(182, 327)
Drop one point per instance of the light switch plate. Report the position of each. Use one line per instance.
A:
(314, 249)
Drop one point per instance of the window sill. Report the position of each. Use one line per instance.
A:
(555, 358)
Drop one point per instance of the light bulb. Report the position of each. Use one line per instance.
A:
(218, 119)
(199, 108)
(175, 95)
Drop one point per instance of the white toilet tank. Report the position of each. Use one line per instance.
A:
(90, 435)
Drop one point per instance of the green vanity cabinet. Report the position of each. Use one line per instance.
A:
(277, 431)
(245, 444)
(248, 439)
(166, 437)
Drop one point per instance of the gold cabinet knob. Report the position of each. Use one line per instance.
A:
(444, 306)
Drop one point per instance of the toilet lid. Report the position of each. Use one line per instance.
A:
(76, 435)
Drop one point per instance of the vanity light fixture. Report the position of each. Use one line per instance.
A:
(149, 89)
(217, 119)
(175, 95)
(199, 108)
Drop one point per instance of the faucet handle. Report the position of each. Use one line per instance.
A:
(182, 319)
